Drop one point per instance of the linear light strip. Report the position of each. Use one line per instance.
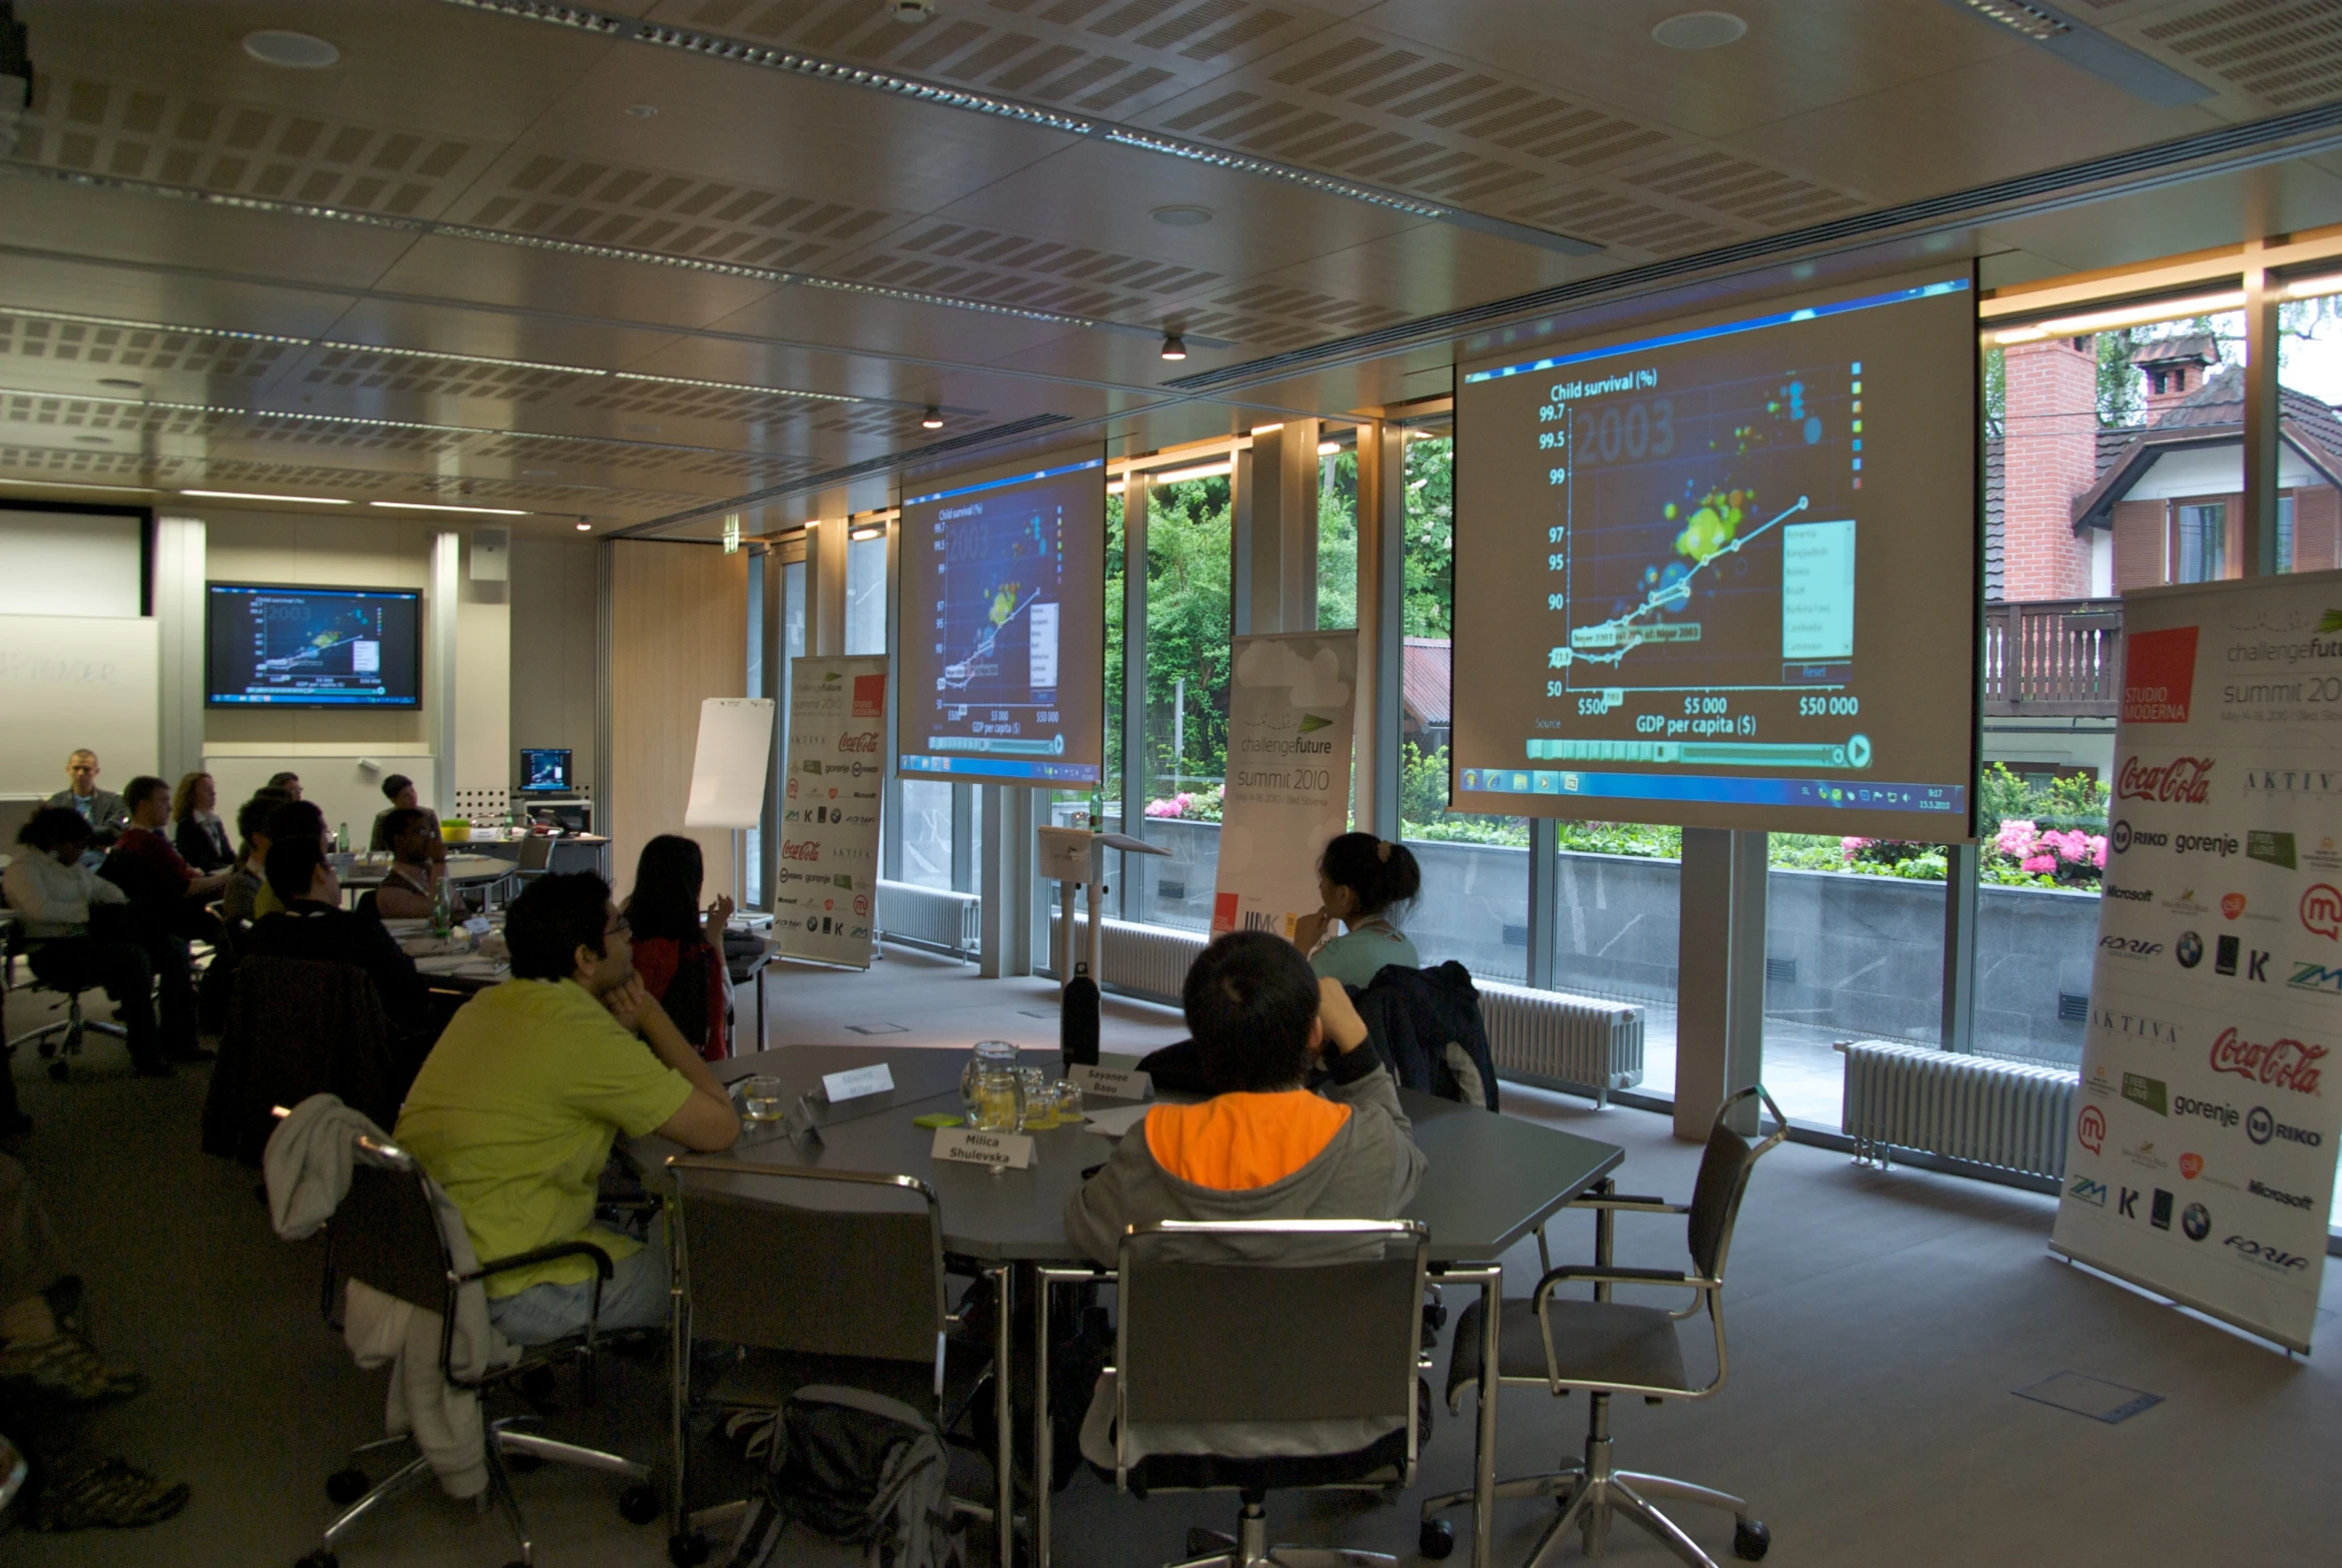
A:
(380, 423)
(530, 241)
(149, 326)
(691, 380)
(717, 46)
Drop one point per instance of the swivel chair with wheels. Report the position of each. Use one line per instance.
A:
(385, 1233)
(1614, 1347)
(59, 1039)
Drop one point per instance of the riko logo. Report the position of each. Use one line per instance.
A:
(2182, 780)
(2125, 837)
(2090, 1127)
(2322, 911)
(2158, 676)
(2260, 1127)
(2281, 1064)
(2267, 1256)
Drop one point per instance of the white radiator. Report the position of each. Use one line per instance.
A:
(1582, 1042)
(2002, 1113)
(928, 918)
(1576, 1041)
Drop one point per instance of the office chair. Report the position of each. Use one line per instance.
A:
(1332, 1410)
(385, 1233)
(827, 1276)
(1614, 1347)
(69, 1030)
(535, 859)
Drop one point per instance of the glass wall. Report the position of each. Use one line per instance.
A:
(926, 815)
(866, 591)
(1185, 753)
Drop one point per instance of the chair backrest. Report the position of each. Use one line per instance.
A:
(385, 1230)
(298, 1027)
(1724, 1180)
(812, 1262)
(536, 852)
(1271, 1320)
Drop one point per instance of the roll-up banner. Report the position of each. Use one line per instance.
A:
(2201, 1160)
(833, 779)
(1287, 790)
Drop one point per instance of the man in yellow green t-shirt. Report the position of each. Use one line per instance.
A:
(516, 1108)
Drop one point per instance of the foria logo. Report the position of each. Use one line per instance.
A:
(2130, 947)
(2267, 1256)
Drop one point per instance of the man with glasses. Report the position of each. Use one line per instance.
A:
(515, 1109)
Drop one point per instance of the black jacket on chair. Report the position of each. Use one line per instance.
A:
(299, 1027)
(1413, 1016)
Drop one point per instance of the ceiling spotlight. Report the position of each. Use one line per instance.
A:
(1173, 346)
(1699, 30)
(642, 111)
(910, 10)
(120, 382)
(1182, 217)
(931, 420)
(585, 527)
(294, 51)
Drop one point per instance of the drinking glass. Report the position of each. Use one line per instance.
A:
(997, 1054)
(1040, 1101)
(1069, 1102)
(763, 1099)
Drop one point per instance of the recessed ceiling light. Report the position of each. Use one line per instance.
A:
(251, 496)
(642, 111)
(931, 420)
(485, 511)
(294, 51)
(1699, 30)
(1173, 346)
(1182, 217)
(911, 10)
(120, 382)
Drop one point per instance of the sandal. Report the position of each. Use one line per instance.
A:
(109, 1494)
(63, 1370)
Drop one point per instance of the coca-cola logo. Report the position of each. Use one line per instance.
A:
(2186, 779)
(2281, 1064)
(868, 741)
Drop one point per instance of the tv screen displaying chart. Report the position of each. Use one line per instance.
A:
(1002, 625)
(312, 647)
(1724, 573)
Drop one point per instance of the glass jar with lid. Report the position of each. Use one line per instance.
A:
(991, 1089)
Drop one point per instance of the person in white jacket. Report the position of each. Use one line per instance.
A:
(82, 927)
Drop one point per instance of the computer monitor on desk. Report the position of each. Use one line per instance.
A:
(545, 770)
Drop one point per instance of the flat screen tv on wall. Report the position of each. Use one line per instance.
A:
(312, 647)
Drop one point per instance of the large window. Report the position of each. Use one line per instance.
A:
(1185, 753)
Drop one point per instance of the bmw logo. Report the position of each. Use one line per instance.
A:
(2196, 1221)
(2190, 951)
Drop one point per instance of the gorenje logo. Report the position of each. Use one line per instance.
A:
(2267, 1256)
(2259, 1188)
(2158, 676)
(2187, 1105)
(2183, 779)
(2205, 844)
(2281, 1064)
(2260, 1127)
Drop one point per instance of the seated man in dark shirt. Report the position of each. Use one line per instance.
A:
(313, 925)
(156, 877)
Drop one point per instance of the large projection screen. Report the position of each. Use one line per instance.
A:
(1002, 625)
(1725, 575)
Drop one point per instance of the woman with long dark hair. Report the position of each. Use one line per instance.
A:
(1366, 883)
(195, 829)
(678, 948)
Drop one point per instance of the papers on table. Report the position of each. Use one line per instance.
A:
(1114, 1121)
(471, 965)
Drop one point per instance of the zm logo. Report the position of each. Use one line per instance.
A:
(2087, 1190)
(2316, 977)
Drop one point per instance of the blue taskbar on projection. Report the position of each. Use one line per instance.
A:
(312, 647)
(1722, 574)
(1003, 628)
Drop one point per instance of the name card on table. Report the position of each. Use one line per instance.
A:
(1111, 1083)
(836, 1087)
(962, 1146)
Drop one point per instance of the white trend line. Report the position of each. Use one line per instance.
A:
(1675, 593)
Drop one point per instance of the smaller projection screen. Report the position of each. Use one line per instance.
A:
(1003, 626)
(312, 647)
(1725, 575)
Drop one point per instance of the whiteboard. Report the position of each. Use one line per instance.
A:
(728, 768)
(69, 681)
(71, 563)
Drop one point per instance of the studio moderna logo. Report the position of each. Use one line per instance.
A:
(2158, 675)
(2090, 1128)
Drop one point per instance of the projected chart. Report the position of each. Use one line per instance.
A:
(1004, 579)
(1725, 575)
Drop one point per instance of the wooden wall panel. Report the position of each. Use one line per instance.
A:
(678, 635)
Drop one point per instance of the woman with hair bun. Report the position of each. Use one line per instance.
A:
(1363, 882)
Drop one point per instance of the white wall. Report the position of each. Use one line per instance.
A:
(556, 623)
(70, 563)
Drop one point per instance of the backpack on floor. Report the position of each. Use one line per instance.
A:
(857, 1467)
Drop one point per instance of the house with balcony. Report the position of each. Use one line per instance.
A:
(2076, 514)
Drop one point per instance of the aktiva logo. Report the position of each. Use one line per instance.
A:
(2281, 1064)
(2158, 676)
(2187, 779)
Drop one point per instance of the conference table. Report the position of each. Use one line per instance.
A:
(1491, 1182)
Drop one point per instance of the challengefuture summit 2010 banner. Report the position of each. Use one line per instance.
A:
(1287, 792)
(2201, 1159)
(827, 882)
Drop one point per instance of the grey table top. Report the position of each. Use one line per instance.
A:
(1491, 1179)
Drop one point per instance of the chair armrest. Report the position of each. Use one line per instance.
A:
(1639, 1206)
(1593, 1274)
(602, 1266)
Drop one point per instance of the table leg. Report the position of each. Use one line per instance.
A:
(760, 969)
(1004, 1416)
(1484, 1449)
(679, 1352)
(1605, 1227)
(1044, 1435)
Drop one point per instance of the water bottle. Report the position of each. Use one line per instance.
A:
(341, 840)
(442, 913)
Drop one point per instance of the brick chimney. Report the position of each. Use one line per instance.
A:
(2051, 457)
(2174, 368)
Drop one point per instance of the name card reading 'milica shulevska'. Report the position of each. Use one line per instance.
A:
(1111, 1083)
(964, 1146)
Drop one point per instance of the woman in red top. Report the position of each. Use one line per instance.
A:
(681, 956)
